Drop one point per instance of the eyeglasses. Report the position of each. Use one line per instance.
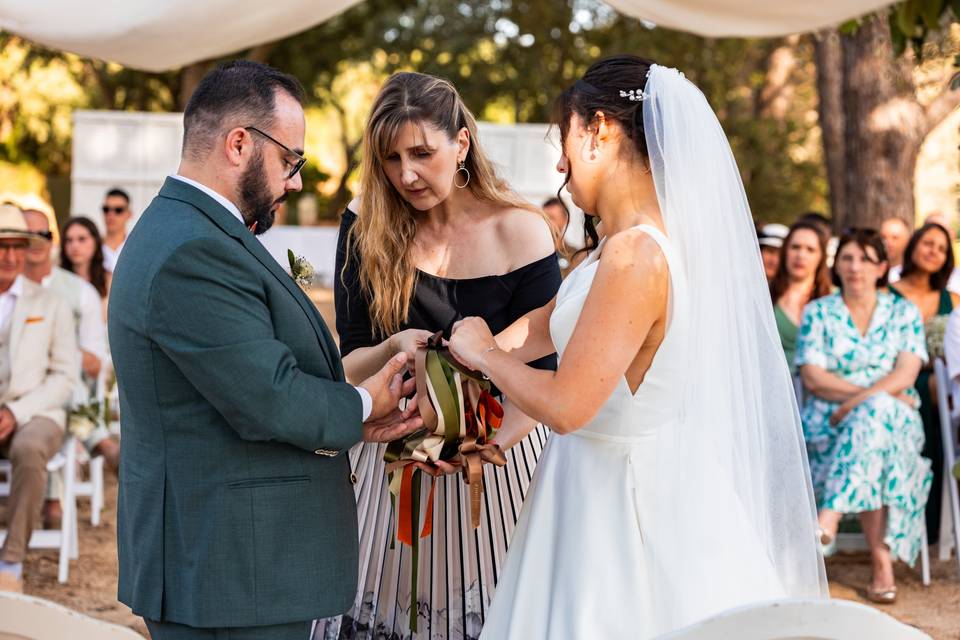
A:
(46, 235)
(112, 210)
(296, 166)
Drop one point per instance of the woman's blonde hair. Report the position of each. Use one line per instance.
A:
(385, 228)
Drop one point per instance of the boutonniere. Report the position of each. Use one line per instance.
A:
(301, 270)
(33, 320)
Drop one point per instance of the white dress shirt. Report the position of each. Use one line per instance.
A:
(111, 255)
(365, 398)
(8, 300)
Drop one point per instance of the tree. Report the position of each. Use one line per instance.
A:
(873, 121)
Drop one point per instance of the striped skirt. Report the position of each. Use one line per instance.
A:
(458, 565)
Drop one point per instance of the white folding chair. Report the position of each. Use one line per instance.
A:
(93, 487)
(856, 541)
(29, 617)
(795, 619)
(65, 538)
(949, 528)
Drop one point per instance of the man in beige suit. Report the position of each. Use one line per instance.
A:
(38, 371)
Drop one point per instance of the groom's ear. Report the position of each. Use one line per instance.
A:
(237, 145)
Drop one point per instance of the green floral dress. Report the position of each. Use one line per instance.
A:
(871, 459)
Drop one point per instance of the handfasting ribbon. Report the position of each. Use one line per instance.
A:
(459, 415)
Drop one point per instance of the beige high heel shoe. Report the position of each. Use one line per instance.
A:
(882, 596)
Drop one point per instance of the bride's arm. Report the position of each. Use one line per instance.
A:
(629, 294)
(528, 338)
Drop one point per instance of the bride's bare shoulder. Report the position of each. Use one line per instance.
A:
(636, 252)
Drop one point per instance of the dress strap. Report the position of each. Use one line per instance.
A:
(946, 303)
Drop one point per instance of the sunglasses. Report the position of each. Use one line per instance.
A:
(112, 210)
(295, 165)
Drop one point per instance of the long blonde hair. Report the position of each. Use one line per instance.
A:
(385, 228)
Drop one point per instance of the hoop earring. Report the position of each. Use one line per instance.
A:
(462, 167)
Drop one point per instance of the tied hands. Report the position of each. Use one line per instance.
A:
(387, 421)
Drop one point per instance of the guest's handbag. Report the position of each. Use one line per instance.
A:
(460, 415)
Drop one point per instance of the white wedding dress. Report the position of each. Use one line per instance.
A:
(577, 566)
(693, 495)
(578, 563)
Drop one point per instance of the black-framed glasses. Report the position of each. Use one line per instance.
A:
(300, 159)
(107, 210)
(46, 235)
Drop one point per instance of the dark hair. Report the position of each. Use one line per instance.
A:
(939, 279)
(863, 238)
(551, 202)
(599, 90)
(817, 218)
(239, 93)
(98, 275)
(821, 281)
(119, 193)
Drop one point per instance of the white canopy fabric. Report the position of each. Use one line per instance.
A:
(156, 35)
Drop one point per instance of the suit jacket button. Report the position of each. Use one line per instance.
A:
(353, 478)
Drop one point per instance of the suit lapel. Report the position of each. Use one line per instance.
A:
(178, 190)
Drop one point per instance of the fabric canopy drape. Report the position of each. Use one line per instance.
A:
(155, 35)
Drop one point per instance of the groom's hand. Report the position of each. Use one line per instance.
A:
(386, 387)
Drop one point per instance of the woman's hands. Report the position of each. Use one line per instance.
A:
(844, 409)
(470, 341)
(408, 342)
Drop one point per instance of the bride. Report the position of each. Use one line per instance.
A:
(678, 486)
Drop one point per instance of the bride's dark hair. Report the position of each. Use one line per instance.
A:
(599, 90)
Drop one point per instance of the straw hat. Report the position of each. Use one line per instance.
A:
(13, 225)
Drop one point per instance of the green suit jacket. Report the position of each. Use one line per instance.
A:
(236, 506)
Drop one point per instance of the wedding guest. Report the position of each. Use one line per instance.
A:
(435, 236)
(771, 240)
(116, 217)
(896, 234)
(91, 332)
(38, 373)
(82, 254)
(859, 354)
(927, 267)
(802, 276)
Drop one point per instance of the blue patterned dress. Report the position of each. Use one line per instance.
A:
(871, 459)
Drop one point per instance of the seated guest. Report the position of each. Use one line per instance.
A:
(859, 354)
(896, 234)
(38, 374)
(116, 217)
(82, 254)
(927, 266)
(771, 238)
(87, 312)
(802, 276)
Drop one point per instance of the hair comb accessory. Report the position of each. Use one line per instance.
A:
(634, 95)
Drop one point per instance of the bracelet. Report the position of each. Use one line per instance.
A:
(489, 349)
(483, 359)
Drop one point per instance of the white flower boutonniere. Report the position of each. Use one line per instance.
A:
(301, 270)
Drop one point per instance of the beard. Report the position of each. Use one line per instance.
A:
(257, 204)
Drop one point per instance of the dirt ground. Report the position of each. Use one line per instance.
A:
(92, 588)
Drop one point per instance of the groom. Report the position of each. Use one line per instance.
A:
(237, 516)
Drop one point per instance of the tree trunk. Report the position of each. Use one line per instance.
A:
(829, 62)
(190, 77)
(884, 126)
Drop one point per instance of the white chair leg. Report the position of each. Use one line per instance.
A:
(96, 500)
(945, 546)
(924, 556)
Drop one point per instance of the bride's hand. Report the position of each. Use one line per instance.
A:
(470, 341)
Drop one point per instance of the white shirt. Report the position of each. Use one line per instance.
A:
(110, 256)
(8, 300)
(86, 306)
(365, 399)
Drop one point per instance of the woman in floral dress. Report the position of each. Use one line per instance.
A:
(859, 352)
